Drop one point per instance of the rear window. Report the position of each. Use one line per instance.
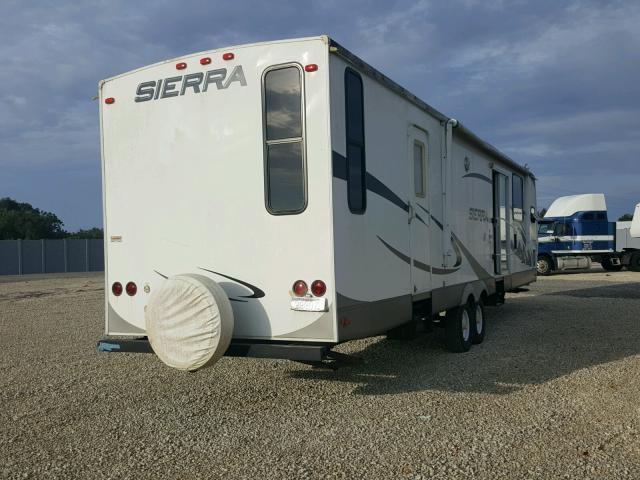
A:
(285, 176)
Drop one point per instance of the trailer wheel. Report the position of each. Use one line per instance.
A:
(457, 328)
(634, 262)
(544, 266)
(478, 323)
(610, 267)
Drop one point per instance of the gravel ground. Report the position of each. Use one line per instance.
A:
(552, 393)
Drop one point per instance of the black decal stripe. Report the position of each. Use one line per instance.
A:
(257, 293)
(163, 276)
(339, 166)
(379, 188)
(420, 218)
(373, 184)
(479, 176)
(434, 219)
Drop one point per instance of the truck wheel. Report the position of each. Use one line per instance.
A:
(634, 262)
(478, 323)
(544, 266)
(457, 328)
(610, 267)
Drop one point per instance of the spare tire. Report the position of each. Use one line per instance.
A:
(189, 322)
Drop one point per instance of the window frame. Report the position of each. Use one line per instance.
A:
(266, 143)
(362, 146)
(423, 159)
(513, 206)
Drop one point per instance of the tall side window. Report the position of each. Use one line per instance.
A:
(285, 176)
(517, 197)
(354, 120)
(419, 160)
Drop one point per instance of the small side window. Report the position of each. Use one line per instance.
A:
(517, 197)
(356, 164)
(419, 161)
(285, 177)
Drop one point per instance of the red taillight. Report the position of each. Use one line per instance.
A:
(228, 56)
(109, 100)
(318, 288)
(312, 67)
(132, 289)
(300, 288)
(205, 61)
(116, 289)
(181, 66)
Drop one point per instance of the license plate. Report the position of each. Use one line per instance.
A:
(310, 304)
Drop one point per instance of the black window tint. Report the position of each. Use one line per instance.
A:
(587, 216)
(418, 169)
(356, 164)
(285, 176)
(282, 100)
(355, 178)
(517, 197)
(601, 216)
(284, 142)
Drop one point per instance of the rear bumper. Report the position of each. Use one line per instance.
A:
(301, 352)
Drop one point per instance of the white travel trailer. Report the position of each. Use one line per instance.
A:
(278, 198)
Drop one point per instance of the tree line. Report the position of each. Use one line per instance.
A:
(23, 221)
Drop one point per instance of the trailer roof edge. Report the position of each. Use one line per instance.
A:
(341, 51)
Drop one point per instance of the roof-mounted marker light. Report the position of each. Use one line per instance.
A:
(228, 56)
(181, 66)
(109, 100)
(205, 61)
(312, 67)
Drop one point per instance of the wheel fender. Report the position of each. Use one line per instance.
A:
(473, 288)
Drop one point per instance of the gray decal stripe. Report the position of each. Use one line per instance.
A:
(397, 253)
(478, 175)
(475, 265)
(418, 264)
(163, 276)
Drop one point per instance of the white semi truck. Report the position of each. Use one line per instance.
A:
(575, 230)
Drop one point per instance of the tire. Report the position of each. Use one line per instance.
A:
(610, 267)
(478, 323)
(634, 262)
(544, 266)
(457, 329)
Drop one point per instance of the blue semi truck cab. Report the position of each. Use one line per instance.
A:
(576, 231)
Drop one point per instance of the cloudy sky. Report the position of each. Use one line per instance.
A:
(555, 84)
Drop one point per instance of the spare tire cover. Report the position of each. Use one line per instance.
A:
(189, 321)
